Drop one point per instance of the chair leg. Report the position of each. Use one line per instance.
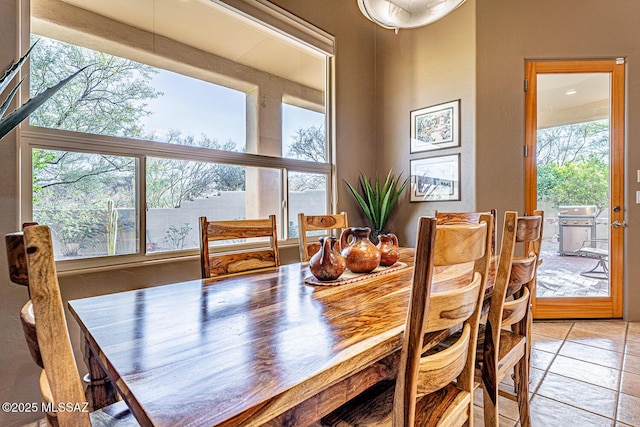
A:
(490, 404)
(521, 385)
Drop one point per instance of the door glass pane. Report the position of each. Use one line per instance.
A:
(88, 200)
(179, 192)
(573, 183)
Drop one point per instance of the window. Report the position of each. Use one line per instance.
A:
(303, 138)
(303, 135)
(88, 200)
(179, 124)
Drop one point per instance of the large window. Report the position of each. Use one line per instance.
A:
(151, 136)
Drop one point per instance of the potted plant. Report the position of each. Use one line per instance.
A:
(377, 201)
(11, 120)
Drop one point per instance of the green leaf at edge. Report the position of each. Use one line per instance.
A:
(360, 201)
(376, 202)
(371, 203)
(18, 115)
(13, 69)
(5, 105)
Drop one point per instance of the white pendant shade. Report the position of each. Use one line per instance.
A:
(395, 14)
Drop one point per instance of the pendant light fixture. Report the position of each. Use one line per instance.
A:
(396, 14)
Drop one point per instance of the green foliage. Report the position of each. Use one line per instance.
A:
(72, 194)
(13, 119)
(176, 237)
(112, 227)
(108, 99)
(581, 182)
(309, 144)
(81, 179)
(568, 143)
(39, 161)
(573, 164)
(75, 229)
(172, 181)
(377, 201)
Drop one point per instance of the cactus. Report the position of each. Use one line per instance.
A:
(112, 227)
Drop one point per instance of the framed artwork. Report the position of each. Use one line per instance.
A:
(435, 127)
(435, 179)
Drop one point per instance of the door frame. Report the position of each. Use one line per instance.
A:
(596, 307)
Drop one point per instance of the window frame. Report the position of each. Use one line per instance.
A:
(56, 139)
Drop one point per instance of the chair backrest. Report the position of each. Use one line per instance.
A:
(28, 321)
(468, 218)
(218, 264)
(514, 275)
(53, 336)
(19, 274)
(429, 313)
(308, 223)
(16, 259)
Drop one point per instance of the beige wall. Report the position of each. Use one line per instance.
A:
(355, 84)
(18, 383)
(416, 69)
(510, 32)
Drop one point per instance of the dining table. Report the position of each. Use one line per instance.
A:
(266, 348)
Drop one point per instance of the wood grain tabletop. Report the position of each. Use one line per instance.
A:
(248, 349)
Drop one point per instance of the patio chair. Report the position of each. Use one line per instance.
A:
(599, 250)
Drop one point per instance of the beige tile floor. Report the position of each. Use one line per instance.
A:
(583, 374)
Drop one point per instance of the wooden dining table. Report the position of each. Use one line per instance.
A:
(264, 348)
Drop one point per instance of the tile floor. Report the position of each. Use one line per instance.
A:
(583, 374)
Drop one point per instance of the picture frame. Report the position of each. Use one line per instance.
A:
(435, 179)
(435, 127)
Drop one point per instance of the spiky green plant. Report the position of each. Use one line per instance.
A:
(112, 227)
(377, 201)
(11, 120)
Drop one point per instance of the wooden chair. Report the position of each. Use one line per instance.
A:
(424, 393)
(18, 274)
(468, 218)
(227, 263)
(506, 351)
(61, 382)
(315, 223)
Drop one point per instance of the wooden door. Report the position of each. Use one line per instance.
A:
(575, 158)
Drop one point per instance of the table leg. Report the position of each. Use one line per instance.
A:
(100, 390)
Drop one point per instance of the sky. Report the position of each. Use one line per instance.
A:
(196, 107)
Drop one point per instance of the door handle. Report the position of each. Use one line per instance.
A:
(618, 224)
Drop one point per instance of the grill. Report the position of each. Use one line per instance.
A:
(576, 224)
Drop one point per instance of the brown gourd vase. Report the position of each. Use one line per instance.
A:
(358, 251)
(388, 248)
(327, 263)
